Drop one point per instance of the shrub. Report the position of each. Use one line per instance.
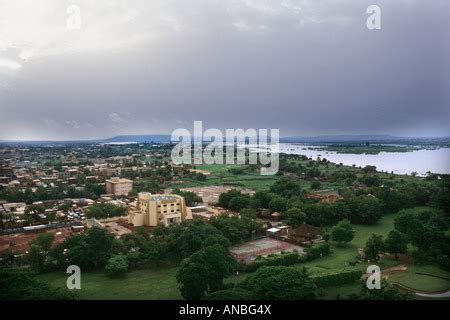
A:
(281, 259)
(317, 251)
(117, 265)
(337, 278)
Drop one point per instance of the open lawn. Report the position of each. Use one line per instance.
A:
(221, 176)
(412, 278)
(340, 292)
(145, 284)
(341, 256)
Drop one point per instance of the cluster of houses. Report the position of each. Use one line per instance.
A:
(21, 171)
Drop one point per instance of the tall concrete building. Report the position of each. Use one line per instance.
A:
(151, 210)
(118, 186)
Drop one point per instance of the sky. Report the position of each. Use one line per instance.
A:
(95, 69)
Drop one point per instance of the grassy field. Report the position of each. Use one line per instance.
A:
(340, 292)
(414, 280)
(221, 176)
(153, 284)
(341, 256)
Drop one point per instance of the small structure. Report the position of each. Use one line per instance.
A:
(205, 212)
(77, 228)
(275, 216)
(278, 232)
(305, 233)
(361, 254)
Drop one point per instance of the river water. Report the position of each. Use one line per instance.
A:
(420, 161)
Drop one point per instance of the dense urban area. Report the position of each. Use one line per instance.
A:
(141, 227)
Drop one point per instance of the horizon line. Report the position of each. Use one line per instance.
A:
(168, 135)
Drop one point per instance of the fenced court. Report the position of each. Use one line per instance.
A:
(248, 251)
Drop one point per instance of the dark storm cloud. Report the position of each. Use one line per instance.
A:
(306, 67)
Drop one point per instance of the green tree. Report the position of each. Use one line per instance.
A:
(191, 279)
(105, 210)
(315, 185)
(280, 283)
(396, 242)
(374, 245)
(248, 213)
(277, 203)
(190, 236)
(19, 284)
(160, 231)
(236, 229)
(286, 187)
(441, 199)
(364, 209)
(89, 251)
(51, 216)
(45, 240)
(239, 202)
(264, 198)
(117, 265)
(295, 217)
(36, 258)
(342, 232)
(7, 258)
(190, 198)
(204, 271)
(225, 197)
(425, 229)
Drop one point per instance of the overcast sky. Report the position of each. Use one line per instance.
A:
(306, 67)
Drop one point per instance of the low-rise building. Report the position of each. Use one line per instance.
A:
(151, 210)
(119, 186)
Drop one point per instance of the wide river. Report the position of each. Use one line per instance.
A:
(420, 161)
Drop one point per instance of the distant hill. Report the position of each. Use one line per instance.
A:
(148, 138)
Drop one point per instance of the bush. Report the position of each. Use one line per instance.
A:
(337, 278)
(317, 251)
(280, 283)
(232, 294)
(281, 259)
(420, 257)
(117, 265)
(105, 210)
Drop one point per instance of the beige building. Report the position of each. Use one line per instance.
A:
(151, 210)
(118, 186)
(111, 172)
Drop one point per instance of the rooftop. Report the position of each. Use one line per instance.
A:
(161, 197)
(119, 180)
